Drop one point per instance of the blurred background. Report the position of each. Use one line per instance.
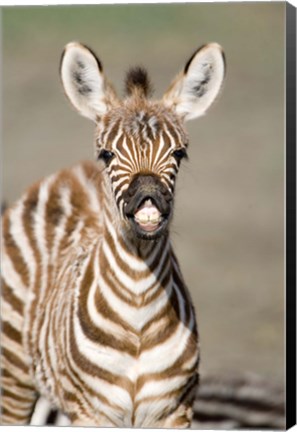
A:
(228, 230)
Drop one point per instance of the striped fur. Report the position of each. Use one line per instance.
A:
(223, 401)
(96, 317)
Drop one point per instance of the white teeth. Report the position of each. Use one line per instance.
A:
(148, 214)
(142, 218)
(147, 219)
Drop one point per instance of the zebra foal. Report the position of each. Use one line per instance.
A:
(95, 313)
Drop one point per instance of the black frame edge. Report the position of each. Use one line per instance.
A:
(290, 215)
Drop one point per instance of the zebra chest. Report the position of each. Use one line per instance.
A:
(136, 389)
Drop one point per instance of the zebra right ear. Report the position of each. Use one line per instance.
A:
(197, 86)
(84, 82)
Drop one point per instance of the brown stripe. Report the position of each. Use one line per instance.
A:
(174, 394)
(171, 372)
(169, 311)
(73, 399)
(48, 362)
(7, 393)
(159, 376)
(106, 311)
(181, 394)
(12, 358)
(30, 206)
(54, 212)
(11, 299)
(162, 281)
(11, 332)
(14, 252)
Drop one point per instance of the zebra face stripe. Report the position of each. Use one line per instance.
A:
(142, 147)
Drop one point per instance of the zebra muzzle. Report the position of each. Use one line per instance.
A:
(148, 205)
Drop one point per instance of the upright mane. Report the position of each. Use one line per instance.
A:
(137, 80)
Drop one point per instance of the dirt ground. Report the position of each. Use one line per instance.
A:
(228, 229)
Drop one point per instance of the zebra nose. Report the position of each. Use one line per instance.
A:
(146, 184)
(146, 187)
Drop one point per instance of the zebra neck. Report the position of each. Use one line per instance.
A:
(136, 253)
(137, 267)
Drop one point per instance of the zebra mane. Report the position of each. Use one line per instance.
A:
(137, 79)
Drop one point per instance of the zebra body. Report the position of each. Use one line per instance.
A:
(95, 313)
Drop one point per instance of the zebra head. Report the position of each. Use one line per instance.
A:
(141, 141)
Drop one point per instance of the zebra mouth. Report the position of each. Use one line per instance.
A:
(148, 216)
(147, 219)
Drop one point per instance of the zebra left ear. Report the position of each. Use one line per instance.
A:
(195, 89)
(84, 82)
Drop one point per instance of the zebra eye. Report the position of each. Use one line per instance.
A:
(106, 155)
(179, 154)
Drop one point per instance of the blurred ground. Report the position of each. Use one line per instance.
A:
(228, 229)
